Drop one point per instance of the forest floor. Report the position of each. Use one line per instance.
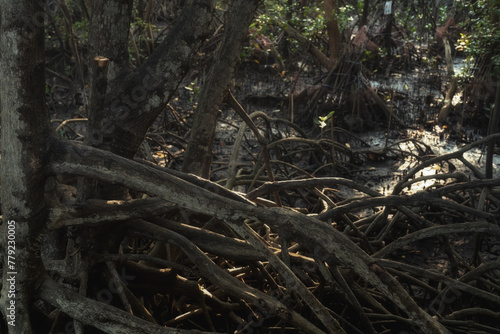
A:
(392, 151)
(416, 96)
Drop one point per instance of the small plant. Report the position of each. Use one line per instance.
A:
(193, 89)
(382, 52)
(345, 16)
(81, 28)
(321, 121)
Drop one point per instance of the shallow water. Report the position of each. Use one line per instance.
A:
(383, 175)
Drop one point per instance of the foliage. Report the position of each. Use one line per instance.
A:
(308, 19)
(483, 38)
(419, 18)
(81, 28)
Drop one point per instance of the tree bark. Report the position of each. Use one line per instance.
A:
(445, 110)
(332, 27)
(26, 137)
(141, 95)
(388, 35)
(198, 157)
(364, 15)
(492, 129)
(108, 59)
(109, 32)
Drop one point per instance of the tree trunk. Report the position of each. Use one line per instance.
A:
(25, 140)
(364, 16)
(388, 35)
(332, 27)
(109, 34)
(198, 157)
(492, 128)
(445, 110)
(138, 97)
